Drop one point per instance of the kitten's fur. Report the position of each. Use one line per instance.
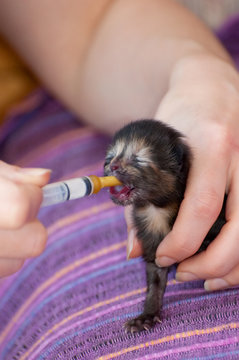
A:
(152, 161)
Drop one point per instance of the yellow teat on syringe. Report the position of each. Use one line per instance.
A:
(76, 188)
(101, 182)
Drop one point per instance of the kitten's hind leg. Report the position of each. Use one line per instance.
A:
(156, 283)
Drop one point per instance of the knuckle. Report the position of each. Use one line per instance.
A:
(17, 265)
(232, 277)
(10, 267)
(219, 143)
(184, 247)
(7, 168)
(214, 269)
(40, 239)
(216, 266)
(20, 207)
(207, 204)
(4, 165)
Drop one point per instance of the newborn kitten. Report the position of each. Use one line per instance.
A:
(152, 162)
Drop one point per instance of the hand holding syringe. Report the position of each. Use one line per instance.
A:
(75, 188)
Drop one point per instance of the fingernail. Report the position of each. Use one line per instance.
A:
(164, 261)
(185, 276)
(35, 171)
(130, 243)
(215, 284)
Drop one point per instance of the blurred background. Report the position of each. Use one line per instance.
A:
(16, 80)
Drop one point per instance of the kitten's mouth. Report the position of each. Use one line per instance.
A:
(122, 193)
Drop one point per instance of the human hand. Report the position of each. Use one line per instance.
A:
(134, 248)
(202, 103)
(21, 234)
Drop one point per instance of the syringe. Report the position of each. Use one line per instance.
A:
(75, 188)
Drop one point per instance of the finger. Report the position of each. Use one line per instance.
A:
(29, 241)
(217, 260)
(200, 208)
(222, 254)
(231, 279)
(36, 176)
(128, 217)
(19, 203)
(134, 247)
(10, 266)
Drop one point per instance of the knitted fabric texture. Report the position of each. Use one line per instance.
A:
(72, 301)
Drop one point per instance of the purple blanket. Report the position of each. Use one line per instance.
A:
(71, 302)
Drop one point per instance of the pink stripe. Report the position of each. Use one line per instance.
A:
(76, 274)
(5, 283)
(115, 307)
(64, 229)
(85, 171)
(57, 143)
(186, 291)
(95, 316)
(73, 274)
(184, 349)
(27, 105)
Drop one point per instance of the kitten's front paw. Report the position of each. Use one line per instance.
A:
(143, 322)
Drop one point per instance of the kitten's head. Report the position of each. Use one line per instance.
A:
(151, 161)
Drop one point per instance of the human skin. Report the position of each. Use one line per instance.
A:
(214, 141)
(115, 61)
(21, 233)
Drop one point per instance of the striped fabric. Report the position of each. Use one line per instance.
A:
(71, 302)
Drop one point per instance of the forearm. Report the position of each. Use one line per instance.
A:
(207, 88)
(52, 37)
(111, 62)
(142, 43)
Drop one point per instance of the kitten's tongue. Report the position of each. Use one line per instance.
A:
(120, 191)
(118, 188)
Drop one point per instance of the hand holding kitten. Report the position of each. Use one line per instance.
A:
(207, 113)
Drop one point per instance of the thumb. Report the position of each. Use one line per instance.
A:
(34, 176)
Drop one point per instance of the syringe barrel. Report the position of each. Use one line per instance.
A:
(66, 190)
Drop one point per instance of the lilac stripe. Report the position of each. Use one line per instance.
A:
(87, 268)
(93, 317)
(135, 301)
(206, 296)
(9, 340)
(34, 100)
(221, 355)
(58, 150)
(184, 349)
(26, 271)
(121, 306)
(60, 232)
(184, 292)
